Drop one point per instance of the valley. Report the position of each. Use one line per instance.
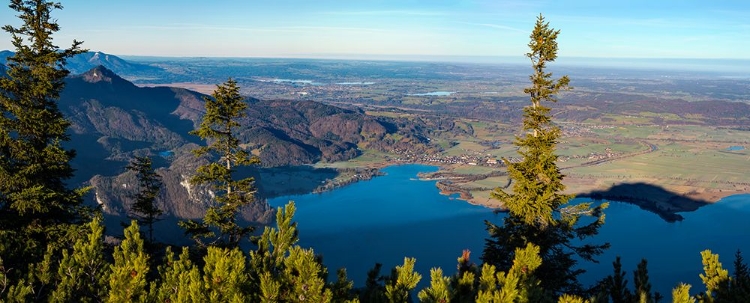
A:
(684, 133)
(672, 129)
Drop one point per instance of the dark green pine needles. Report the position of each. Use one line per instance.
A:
(537, 212)
(219, 226)
(37, 209)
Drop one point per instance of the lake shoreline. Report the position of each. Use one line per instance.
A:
(666, 202)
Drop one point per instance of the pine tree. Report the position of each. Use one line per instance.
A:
(36, 206)
(402, 281)
(740, 285)
(615, 286)
(127, 282)
(342, 289)
(149, 184)
(714, 277)
(681, 294)
(224, 276)
(82, 275)
(281, 271)
(179, 280)
(439, 290)
(219, 226)
(459, 288)
(517, 284)
(642, 285)
(537, 209)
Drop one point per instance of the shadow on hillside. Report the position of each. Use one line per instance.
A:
(291, 180)
(649, 197)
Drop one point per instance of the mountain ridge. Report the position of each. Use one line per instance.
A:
(113, 120)
(84, 62)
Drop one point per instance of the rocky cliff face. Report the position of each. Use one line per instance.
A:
(113, 121)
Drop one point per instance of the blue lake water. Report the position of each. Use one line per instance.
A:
(735, 148)
(433, 94)
(390, 217)
(355, 83)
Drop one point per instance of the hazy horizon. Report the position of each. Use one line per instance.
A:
(474, 28)
(734, 66)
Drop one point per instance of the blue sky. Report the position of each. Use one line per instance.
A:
(377, 28)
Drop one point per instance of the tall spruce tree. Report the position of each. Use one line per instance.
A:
(37, 208)
(219, 226)
(145, 209)
(537, 208)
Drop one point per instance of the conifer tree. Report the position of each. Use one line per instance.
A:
(439, 290)
(740, 285)
(714, 277)
(403, 279)
(281, 271)
(617, 285)
(458, 288)
(224, 276)
(681, 294)
(36, 206)
(517, 284)
(149, 184)
(179, 280)
(342, 289)
(218, 127)
(642, 285)
(82, 274)
(537, 208)
(127, 281)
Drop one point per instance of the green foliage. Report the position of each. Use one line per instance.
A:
(617, 285)
(342, 289)
(179, 280)
(281, 271)
(218, 127)
(82, 275)
(374, 291)
(714, 277)
(538, 181)
(224, 276)
(740, 285)
(439, 288)
(517, 285)
(614, 288)
(402, 281)
(642, 285)
(536, 205)
(36, 207)
(305, 276)
(681, 294)
(274, 243)
(149, 184)
(127, 282)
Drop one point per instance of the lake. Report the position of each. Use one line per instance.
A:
(735, 148)
(390, 217)
(440, 93)
(355, 83)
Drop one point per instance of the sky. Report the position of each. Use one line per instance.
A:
(401, 28)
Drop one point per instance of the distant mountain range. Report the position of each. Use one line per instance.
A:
(114, 120)
(81, 63)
